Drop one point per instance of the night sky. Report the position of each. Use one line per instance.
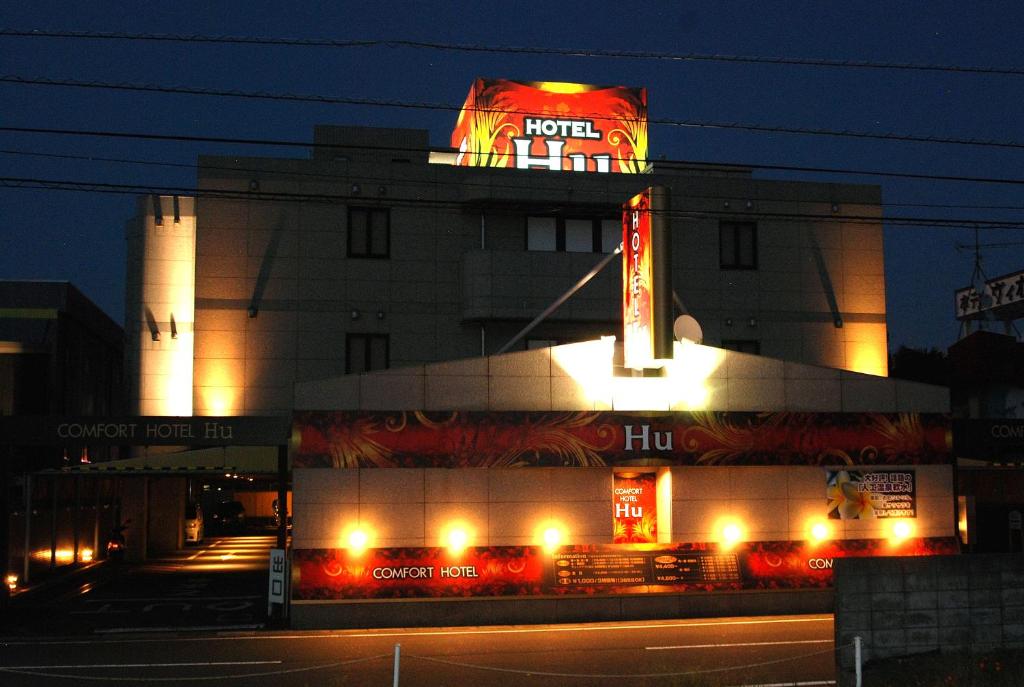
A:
(75, 236)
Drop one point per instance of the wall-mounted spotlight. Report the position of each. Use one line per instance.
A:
(750, 204)
(380, 314)
(354, 315)
(356, 189)
(752, 322)
(835, 208)
(254, 185)
(382, 190)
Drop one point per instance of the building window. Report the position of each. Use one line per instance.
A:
(752, 346)
(369, 232)
(573, 234)
(737, 244)
(365, 352)
(534, 344)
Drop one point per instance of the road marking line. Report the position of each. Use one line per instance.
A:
(585, 628)
(206, 664)
(430, 633)
(190, 628)
(172, 599)
(735, 644)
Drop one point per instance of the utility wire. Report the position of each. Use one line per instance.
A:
(374, 102)
(692, 166)
(145, 189)
(335, 176)
(512, 50)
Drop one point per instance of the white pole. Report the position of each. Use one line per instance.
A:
(856, 659)
(398, 657)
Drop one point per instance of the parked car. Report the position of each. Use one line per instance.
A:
(194, 525)
(228, 516)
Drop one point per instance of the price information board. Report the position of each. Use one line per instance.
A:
(644, 567)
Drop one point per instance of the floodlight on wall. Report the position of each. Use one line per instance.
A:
(380, 314)
(354, 315)
(728, 322)
(726, 205)
(382, 190)
(752, 322)
(835, 208)
(254, 185)
(355, 189)
(750, 204)
(154, 334)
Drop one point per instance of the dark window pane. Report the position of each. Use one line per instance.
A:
(579, 235)
(541, 233)
(737, 242)
(356, 355)
(611, 235)
(378, 359)
(357, 231)
(752, 346)
(379, 233)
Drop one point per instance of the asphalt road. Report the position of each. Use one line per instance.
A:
(735, 651)
(198, 617)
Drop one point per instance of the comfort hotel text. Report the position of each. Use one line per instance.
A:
(211, 430)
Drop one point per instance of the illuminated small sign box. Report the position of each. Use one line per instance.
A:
(646, 280)
(1003, 297)
(554, 126)
(635, 507)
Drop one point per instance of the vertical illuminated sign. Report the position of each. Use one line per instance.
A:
(635, 507)
(554, 126)
(646, 279)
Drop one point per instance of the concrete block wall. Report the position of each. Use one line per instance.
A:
(901, 606)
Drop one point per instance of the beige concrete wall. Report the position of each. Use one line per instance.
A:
(783, 502)
(506, 507)
(584, 377)
(415, 507)
(459, 280)
(160, 296)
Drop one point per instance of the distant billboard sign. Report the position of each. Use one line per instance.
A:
(646, 280)
(1003, 297)
(864, 494)
(553, 125)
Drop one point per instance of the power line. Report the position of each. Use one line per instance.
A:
(691, 166)
(438, 182)
(515, 50)
(373, 102)
(531, 204)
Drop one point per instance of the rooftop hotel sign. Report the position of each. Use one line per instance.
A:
(554, 126)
